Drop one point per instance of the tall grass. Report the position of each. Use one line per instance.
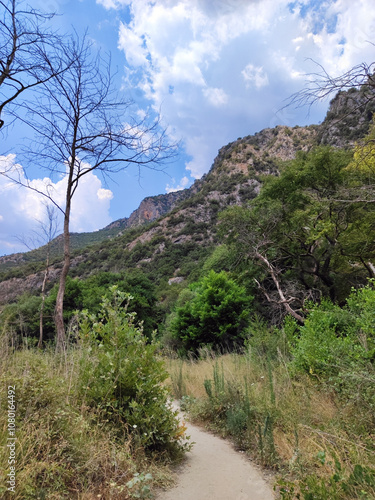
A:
(319, 444)
(64, 447)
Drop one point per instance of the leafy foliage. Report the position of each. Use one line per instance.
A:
(334, 338)
(300, 231)
(123, 376)
(213, 312)
(336, 346)
(23, 316)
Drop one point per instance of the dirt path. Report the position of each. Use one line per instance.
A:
(215, 471)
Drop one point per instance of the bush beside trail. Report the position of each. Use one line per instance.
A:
(93, 422)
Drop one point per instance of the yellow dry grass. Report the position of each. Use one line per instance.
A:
(307, 419)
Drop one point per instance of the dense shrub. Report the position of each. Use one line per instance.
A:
(337, 348)
(334, 337)
(215, 314)
(22, 318)
(69, 446)
(123, 376)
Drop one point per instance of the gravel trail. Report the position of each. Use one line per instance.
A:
(213, 470)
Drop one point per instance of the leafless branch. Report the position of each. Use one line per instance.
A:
(320, 84)
(83, 125)
(30, 52)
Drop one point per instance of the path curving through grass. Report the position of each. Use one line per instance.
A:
(213, 470)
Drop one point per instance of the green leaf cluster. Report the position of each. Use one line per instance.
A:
(336, 345)
(309, 226)
(213, 312)
(23, 317)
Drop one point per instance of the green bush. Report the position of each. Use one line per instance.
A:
(322, 341)
(336, 346)
(22, 317)
(215, 314)
(335, 338)
(123, 376)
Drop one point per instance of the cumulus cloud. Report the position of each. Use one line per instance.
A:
(184, 182)
(136, 54)
(113, 4)
(198, 60)
(21, 208)
(255, 76)
(216, 97)
(221, 69)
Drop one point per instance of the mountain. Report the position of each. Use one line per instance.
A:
(150, 209)
(169, 236)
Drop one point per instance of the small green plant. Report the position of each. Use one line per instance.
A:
(178, 383)
(139, 486)
(123, 376)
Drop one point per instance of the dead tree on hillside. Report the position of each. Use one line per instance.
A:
(43, 237)
(320, 85)
(82, 125)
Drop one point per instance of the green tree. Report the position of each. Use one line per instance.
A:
(304, 237)
(213, 311)
(140, 287)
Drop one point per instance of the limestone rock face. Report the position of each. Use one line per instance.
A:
(177, 279)
(150, 209)
(349, 117)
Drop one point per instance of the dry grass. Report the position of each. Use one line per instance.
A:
(64, 449)
(309, 421)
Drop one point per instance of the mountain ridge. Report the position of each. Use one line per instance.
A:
(178, 222)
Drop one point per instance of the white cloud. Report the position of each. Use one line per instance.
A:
(216, 97)
(219, 70)
(184, 182)
(113, 4)
(104, 194)
(255, 76)
(133, 46)
(21, 207)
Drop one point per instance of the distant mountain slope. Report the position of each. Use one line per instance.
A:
(170, 235)
(150, 209)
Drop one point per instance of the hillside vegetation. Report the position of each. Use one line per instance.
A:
(254, 290)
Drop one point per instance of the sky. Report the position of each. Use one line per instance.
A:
(215, 70)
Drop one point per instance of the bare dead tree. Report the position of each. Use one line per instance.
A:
(82, 125)
(29, 51)
(49, 230)
(256, 241)
(320, 84)
(285, 300)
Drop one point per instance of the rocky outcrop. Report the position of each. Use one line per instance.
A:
(348, 118)
(150, 209)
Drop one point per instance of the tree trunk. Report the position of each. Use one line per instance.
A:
(46, 272)
(59, 308)
(283, 299)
